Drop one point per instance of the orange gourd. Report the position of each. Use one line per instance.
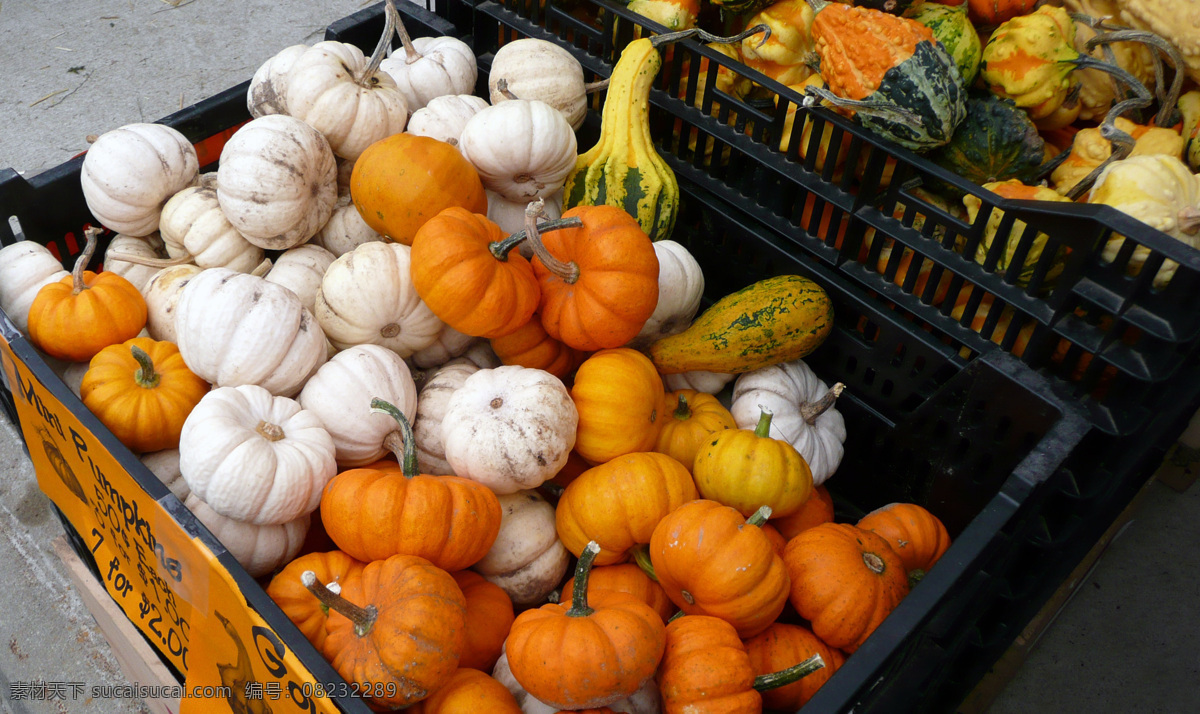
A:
(712, 561)
(307, 612)
(143, 392)
(464, 268)
(396, 630)
(402, 181)
(599, 281)
(844, 581)
(690, 418)
(994, 12)
(468, 691)
(619, 504)
(781, 646)
(590, 652)
(489, 618)
(858, 46)
(917, 536)
(621, 403)
(383, 509)
(631, 579)
(816, 510)
(83, 313)
(778, 542)
(530, 346)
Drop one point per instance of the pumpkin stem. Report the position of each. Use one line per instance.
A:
(682, 411)
(583, 569)
(761, 516)
(269, 431)
(385, 42)
(406, 451)
(89, 235)
(410, 51)
(1166, 116)
(263, 268)
(915, 576)
(763, 430)
(874, 563)
(502, 87)
(817, 5)
(150, 262)
(660, 40)
(1122, 143)
(810, 412)
(501, 248)
(641, 556)
(1189, 220)
(592, 87)
(678, 614)
(569, 272)
(764, 682)
(145, 377)
(362, 617)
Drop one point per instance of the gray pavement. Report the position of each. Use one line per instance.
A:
(1126, 643)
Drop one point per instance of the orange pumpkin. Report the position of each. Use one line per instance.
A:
(712, 561)
(599, 281)
(402, 181)
(298, 603)
(468, 691)
(619, 504)
(917, 536)
(530, 346)
(781, 646)
(83, 313)
(816, 510)
(621, 403)
(489, 618)
(396, 629)
(465, 269)
(592, 651)
(692, 418)
(143, 392)
(628, 578)
(994, 12)
(383, 510)
(778, 542)
(845, 581)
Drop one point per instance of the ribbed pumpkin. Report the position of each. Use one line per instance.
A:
(143, 392)
(468, 691)
(691, 418)
(816, 510)
(844, 581)
(599, 281)
(386, 509)
(631, 579)
(781, 646)
(618, 504)
(530, 346)
(996, 142)
(298, 603)
(396, 629)
(712, 561)
(489, 618)
(917, 536)
(621, 404)
(466, 271)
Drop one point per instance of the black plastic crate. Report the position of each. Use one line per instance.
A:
(1105, 337)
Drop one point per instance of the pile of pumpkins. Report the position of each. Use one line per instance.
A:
(540, 410)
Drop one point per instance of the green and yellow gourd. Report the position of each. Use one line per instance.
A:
(951, 26)
(775, 320)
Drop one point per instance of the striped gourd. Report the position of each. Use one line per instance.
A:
(951, 27)
(775, 320)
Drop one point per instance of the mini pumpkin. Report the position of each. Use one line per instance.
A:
(260, 549)
(194, 228)
(25, 267)
(527, 559)
(300, 270)
(692, 417)
(523, 150)
(621, 404)
(917, 536)
(489, 618)
(530, 346)
(431, 410)
(781, 646)
(308, 613)
(430, 67)
(680, 288)
(816, 510)
(443, 118)
(632, 579)
(467, 691)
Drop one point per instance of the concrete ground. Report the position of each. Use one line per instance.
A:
(1126, 643)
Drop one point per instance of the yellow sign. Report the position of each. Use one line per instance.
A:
(167, 582)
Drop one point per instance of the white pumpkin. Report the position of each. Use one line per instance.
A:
(149, 248)
(443, 118)
(165, 465)
(345, 230)
(541, 70)
(509, 428)
(268, 87)
(260, 549)
(510, 215)
(367, 297)
(255, 457)
(234, 329)
(699, 380)
(162, 295)
(527, 560)
(300, 270)
(645, 700)
(340, 395)
(194, 227)
(803, 415)
(278, 181)
(523, 150)
(431, 410)
(129, 172)
(345, 96)
(25, 267)
(680, 288)
(450, 343)
(431, 67)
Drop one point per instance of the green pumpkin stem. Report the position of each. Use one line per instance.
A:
(145, 377)
(402, 443)
(569, 272)
(678, 614)
(81, 263)
(392, 19)
(810, 412)
(761, 516)
(641, 556)
(660, 40)
(763, 430)
(583, 569)
(796, 672)
(362, 617)
(682, 411)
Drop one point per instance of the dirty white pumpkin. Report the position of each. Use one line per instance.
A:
(165, 465)
(431, 409)
(510, 215)
(234, 329)
(680, 288)
(148, 248)
(646, 700)
(345, 230)
(268, 87)
(255, 457)
(527, 560)
(300, 270)
(194, 227)
(443, 118)
(340, 395)
(277, 183)
(161, 294)
(260, 549)
(509, 428)
(367, 297)
(430, 67)
(699, 380)
(450, 343)
(25, 267)
(129, 172)
(523, 150)
(541, 70)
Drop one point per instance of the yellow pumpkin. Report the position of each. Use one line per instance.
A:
(693, 417)
(621, 402)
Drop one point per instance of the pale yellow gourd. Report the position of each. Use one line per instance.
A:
(1090, 149)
